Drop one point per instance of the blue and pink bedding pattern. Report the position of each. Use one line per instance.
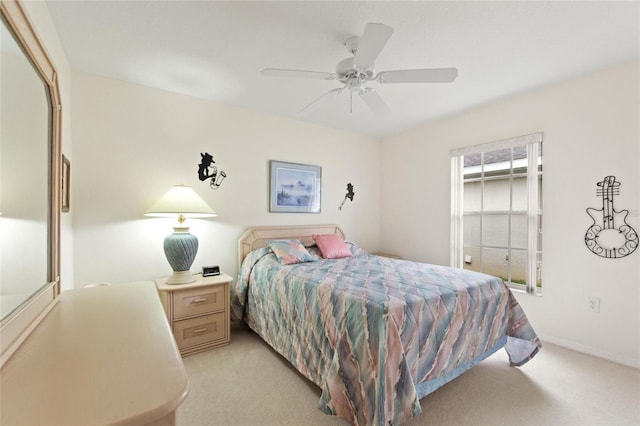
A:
(377, 334)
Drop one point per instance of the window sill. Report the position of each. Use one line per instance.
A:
(523, 291)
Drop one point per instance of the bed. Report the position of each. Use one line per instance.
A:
(375, 334)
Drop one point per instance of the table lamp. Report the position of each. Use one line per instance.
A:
(181, 247)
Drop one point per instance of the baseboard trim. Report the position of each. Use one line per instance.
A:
(568, 344)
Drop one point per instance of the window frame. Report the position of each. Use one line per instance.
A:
(533, 144)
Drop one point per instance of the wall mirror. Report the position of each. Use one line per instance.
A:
(30, 166)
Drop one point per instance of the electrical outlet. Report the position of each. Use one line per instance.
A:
(594, 304)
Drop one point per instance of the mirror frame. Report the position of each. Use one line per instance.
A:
(16, 327)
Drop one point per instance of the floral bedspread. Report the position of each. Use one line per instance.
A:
(377, 334)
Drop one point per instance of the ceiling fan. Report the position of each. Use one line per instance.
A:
(357, 70)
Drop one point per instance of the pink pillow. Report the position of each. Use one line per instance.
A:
(331, 246)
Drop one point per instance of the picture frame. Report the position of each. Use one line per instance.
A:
(66, 184)
(294, 188)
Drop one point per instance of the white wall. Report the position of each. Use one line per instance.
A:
(134, 143)
(591, 129)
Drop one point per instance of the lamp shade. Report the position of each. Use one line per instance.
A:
(181, 201)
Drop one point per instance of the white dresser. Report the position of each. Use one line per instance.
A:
(103, 355)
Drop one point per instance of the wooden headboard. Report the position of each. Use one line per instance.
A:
(258, 236)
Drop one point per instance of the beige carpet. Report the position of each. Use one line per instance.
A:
(246, 383)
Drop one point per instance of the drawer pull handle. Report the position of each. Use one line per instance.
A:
(199, 300)
(200, 330)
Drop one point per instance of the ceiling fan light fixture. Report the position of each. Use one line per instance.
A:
(354, 84)
(358, 69)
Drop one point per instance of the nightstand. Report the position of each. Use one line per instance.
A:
(198, 312)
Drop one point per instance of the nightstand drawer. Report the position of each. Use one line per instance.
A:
(187, 303)
(199, 330)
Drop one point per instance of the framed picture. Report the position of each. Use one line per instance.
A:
(295, 188)
(66, 183)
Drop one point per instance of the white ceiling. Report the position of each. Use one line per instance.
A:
(216, 49)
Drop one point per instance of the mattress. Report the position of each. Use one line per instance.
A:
(377, 334)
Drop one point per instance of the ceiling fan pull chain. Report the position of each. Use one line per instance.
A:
(350, 102)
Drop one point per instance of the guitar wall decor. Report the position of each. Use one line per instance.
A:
(610, 236)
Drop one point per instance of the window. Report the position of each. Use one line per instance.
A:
(496, 210)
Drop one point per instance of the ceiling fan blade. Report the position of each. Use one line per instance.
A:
(280, 72)
(375, 102)
(313, 106)
(373, 39)
(431, 75)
